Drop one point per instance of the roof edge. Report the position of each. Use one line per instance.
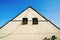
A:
(15, 16)
(45, 18)
(35, 11)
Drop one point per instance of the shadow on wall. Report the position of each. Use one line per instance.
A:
(52, 38)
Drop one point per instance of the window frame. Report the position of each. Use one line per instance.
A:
(34, 19)
(24, 20)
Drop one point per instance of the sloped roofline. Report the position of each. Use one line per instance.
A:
(35, 11)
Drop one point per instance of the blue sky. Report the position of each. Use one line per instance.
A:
(48, 8)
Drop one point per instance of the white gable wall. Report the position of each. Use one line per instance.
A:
(14, 30)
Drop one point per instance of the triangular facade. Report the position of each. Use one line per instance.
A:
(15, 30)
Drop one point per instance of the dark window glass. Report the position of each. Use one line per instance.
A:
(35, 20)
(25, 21)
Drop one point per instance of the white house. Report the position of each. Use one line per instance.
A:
(29, 25)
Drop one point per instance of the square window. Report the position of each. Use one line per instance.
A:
(35, 20)
(25, 21)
